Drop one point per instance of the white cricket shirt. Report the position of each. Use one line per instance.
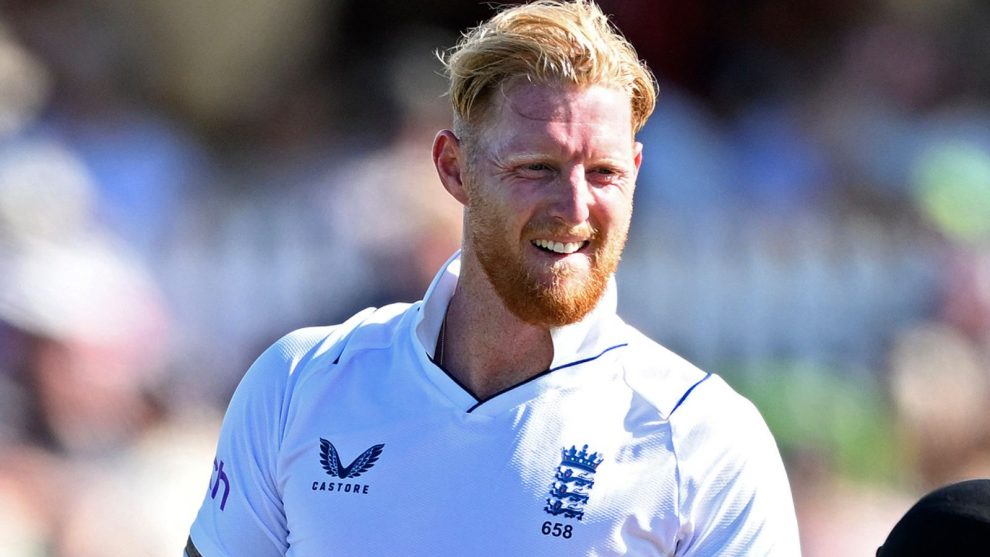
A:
(349, 441)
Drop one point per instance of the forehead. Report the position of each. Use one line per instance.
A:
(565, 113)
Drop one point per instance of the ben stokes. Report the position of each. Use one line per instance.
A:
(511, 412)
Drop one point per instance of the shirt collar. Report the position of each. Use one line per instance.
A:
(584, 339)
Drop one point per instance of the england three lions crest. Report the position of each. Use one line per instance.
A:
(573, 482)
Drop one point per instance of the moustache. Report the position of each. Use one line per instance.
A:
(553, 228)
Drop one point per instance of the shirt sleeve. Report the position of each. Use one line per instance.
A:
(242, 511)
(734, 493)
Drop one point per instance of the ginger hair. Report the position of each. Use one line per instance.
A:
(548, 42)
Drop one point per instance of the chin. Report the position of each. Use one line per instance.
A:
(539, 287)
(560, 297)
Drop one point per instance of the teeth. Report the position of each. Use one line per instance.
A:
(558, 247)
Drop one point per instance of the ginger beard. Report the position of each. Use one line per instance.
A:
(561, 298)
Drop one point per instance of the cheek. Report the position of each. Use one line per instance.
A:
(513, 208)
(490, 220)
(613, 209)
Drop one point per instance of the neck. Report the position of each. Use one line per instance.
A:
(485, 347)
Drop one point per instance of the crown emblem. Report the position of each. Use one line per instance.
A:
(572, 483)
(580, 459)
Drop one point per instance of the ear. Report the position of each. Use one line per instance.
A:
(449, 160)
(637, 154)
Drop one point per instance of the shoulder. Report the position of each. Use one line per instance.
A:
(314, 348)
(657, 374)
(699, 403)
(716, 416)
(731, 476)
(732, 492)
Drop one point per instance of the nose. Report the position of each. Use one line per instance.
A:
(572, 197)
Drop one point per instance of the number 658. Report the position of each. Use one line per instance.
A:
(557, 529)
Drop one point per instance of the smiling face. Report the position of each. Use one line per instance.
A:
(549, 190)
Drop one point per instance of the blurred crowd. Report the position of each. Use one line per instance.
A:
(181, 183)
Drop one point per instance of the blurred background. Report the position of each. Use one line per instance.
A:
(183, 182)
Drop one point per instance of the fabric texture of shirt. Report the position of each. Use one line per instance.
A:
(349, 440)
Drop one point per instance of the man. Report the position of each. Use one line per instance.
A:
(510, 412)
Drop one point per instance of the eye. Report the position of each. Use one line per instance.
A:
(604, 175)
(535, 170)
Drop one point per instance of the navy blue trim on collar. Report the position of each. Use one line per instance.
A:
(517, 385)
(452, 378)
(688, 392)
(602, 353)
